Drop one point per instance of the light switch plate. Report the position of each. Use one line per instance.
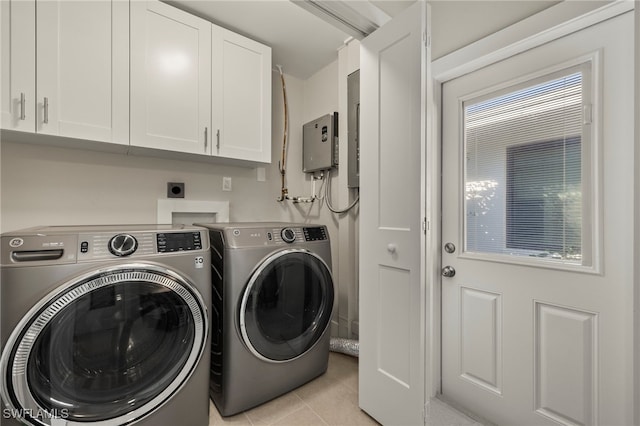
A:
(226, 183)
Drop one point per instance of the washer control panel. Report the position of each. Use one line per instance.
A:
(72, 244)
(134, 244)
(251, 237)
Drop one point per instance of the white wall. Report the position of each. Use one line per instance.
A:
(322, 93)
(44, 185)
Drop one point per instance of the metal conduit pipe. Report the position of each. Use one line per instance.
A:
(345, 346)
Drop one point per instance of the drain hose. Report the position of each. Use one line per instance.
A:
(346, 346)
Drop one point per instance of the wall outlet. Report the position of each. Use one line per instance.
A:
(226, 183)
(175, 189)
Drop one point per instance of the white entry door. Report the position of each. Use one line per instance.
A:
(392, 331)
(537, 290)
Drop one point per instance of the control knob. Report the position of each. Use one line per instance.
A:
(123, 245)
(288, 235)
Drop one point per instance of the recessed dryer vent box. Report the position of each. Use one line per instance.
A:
(320, 143)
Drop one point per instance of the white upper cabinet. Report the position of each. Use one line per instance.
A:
(170, 79)
(241, 102)
(18, 63)
(65, 69)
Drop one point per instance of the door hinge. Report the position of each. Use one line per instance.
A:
(425, 225)
(426, 39)
(587, 114)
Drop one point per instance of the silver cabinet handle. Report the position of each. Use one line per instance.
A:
(23, 102)
(206, 137)
(46, 111)
(218, 139)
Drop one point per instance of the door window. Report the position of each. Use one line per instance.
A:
(526, 148)
(287, 305)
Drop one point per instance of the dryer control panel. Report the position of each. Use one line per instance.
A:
(252, 237)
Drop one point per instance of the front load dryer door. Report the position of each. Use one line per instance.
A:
(108, 348)
(286, 306)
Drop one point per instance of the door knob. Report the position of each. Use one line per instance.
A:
(448, 271)
(392, 248)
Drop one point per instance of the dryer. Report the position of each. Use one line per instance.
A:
(105, 325)
(273, 297)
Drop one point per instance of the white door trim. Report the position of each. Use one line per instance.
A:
(636, 215)
(550, 24)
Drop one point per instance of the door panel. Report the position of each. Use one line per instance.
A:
(535, 336)
(392, 337)
(565, 371)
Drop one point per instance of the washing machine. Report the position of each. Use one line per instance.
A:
(105, 325)
(272, 300)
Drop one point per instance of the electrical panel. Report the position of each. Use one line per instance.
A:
(320, 143)
(353, 130)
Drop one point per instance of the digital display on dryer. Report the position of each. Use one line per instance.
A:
(178, 241)
(314, 234)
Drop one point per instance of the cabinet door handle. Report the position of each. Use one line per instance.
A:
(23, 102)
(206, 137)
(46, 111)
(218, 139)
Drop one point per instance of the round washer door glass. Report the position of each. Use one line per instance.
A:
(112, 346)
(287, 305)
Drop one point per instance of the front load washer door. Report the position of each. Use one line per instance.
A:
(108, 348)
(286, 305)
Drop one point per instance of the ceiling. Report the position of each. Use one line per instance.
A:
(301, 42)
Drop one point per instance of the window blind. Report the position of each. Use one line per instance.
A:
(523, 170)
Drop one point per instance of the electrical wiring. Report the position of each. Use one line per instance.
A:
(327, 197)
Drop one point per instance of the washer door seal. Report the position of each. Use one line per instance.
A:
(286, 305)
(107, 348)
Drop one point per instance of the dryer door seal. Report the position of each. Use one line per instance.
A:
(286, 306)
(107, 348)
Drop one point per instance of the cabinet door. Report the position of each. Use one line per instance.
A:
(18, 65)
(241, 97)
(170, 79)
(83, 70)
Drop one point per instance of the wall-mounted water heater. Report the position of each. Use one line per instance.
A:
(320, 143)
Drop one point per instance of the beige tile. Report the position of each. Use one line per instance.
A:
(345, 369)
(216, 419)
(331, 399)
(275, 410)
(325, 384)
(334, 402)
(302, 417)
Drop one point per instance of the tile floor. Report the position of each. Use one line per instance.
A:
(331, 399)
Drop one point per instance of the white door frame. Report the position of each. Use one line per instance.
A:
(636, 215)
(550, 24)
